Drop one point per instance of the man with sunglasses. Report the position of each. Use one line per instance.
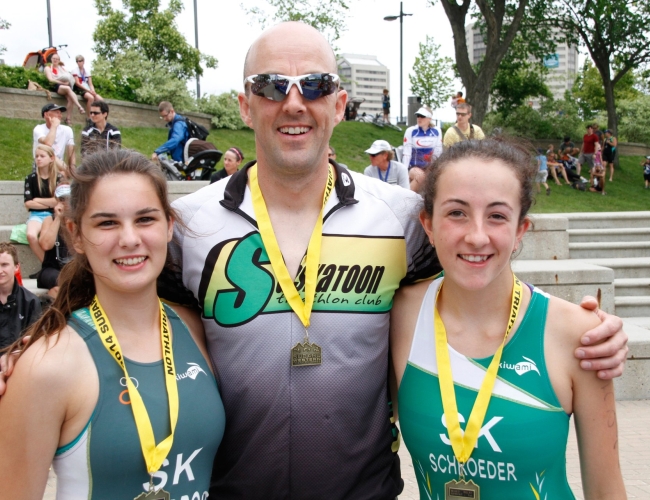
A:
(101, 135)
(304, 384)
(178, 133)
(462, 130)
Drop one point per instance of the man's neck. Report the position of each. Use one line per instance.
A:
(5, 291)
(100, 126)
(384, 167)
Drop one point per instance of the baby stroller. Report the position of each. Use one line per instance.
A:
(201, 158)
(38, 60)
(352, 108)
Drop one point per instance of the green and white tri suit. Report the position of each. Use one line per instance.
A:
(520, 452)
(105, 461)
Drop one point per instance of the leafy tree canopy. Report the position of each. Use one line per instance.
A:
(143, 26)
(327, 17)
(4, 25)
(432, 78)
(589, 92)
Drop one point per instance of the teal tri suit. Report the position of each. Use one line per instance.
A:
(105, 461)
(520, 452)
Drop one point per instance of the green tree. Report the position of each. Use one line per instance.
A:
(144, 27)
(634, 123)
(4, 25)
(502, 20)
(617, 37)
(589, 92)
(224, 109)
(432, 78)
(518, 79)
(131, 76)
(326, 17)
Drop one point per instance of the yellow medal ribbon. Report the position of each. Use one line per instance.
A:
(302, 309)
(153, 455)
(463, 444)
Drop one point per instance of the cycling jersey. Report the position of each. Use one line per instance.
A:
(421, 146)
(317, 432)
(521, 448)
(105, 461)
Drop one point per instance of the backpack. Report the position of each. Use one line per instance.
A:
(196, 131)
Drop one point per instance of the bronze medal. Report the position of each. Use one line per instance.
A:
(154, 495)
(462, 490)
(306, 354)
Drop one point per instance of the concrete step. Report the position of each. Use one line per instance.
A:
(31, 286)
(629, 307)
(607, 249)
(635, 382)
(632, 287)
(625, 267)
(616, 234)
(29, 264)
(607, 220)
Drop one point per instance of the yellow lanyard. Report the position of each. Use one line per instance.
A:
(153, 455)
(302, 309)
(463, 444)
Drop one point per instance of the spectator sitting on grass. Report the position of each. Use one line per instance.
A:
(231, 162)
(568, 147)
(55, 135)
(555, 166)
(19, 307)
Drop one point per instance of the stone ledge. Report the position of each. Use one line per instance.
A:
(563, 272)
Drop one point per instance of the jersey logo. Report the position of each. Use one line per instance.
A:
(192, 372)
(521, 367)
(124, 395)
(356, 274)
(346, 179)
(485, 432)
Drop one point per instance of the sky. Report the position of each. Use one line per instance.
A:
(226, 32)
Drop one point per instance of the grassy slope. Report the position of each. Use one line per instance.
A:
(350, 140)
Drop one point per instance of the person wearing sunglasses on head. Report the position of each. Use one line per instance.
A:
(294, 261)
(178, 133)
(462, 130)
(422, 145)
(101, 135)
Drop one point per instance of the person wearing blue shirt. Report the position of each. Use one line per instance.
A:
(422, 145)
(178, 133)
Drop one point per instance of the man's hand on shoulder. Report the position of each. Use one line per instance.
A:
(604, 347)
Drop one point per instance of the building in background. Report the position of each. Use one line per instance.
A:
(364, 76)
(562, 66)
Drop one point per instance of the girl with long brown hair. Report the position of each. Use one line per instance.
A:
(112, 387)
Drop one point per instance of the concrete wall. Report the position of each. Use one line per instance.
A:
(27, 104)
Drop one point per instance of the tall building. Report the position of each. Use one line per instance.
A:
(562, 65)
(364, 76)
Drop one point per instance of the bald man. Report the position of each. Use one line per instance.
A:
(306, 395)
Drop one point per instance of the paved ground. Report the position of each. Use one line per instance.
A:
(634, 441)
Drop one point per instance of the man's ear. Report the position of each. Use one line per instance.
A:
(341, 101)
(244, 109)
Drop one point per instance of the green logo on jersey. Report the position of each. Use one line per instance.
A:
(238, 282)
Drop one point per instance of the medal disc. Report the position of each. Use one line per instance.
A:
(154, 495)
(462, 490)
(306, 354)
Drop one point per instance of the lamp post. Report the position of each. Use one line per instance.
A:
(196, 44)
(49, 23)
(401, 56)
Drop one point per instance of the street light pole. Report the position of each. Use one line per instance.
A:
(49, 23)
(196, 44)
(401, 56)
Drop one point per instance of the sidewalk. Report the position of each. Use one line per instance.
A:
(634, 442)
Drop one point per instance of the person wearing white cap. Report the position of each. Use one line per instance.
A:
(422, 145)
(383, 167)
(463, 130)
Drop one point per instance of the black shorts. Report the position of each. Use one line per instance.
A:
(47, 278)
(646, 177)
(608, 156)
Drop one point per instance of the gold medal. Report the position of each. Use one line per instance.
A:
(457, 490)
(303, 353)
(154, 495)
